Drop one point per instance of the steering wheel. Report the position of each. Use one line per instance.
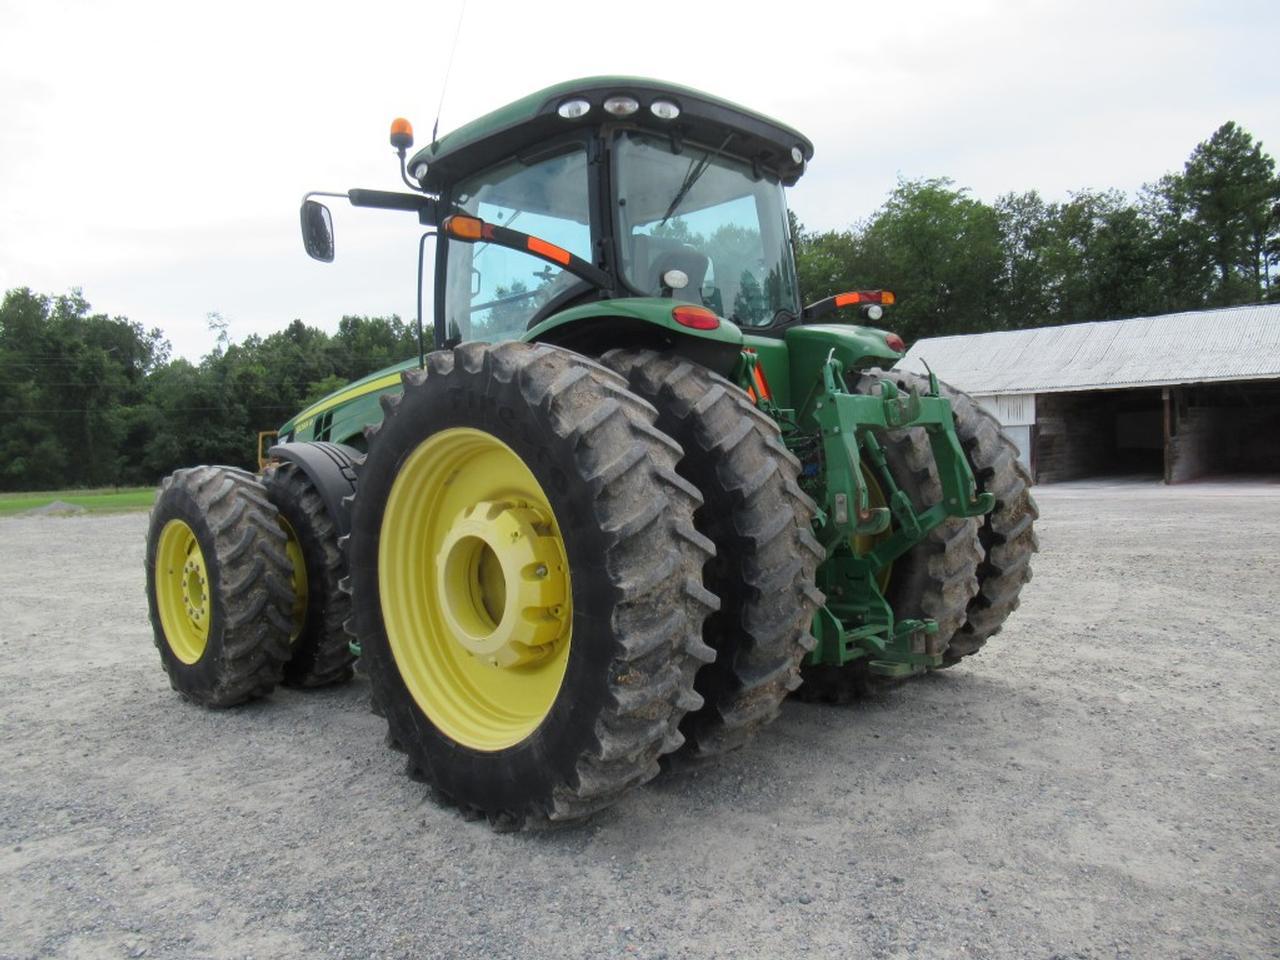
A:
(572, 291)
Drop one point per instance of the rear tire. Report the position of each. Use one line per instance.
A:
(568, 445)
(320, 652)
(766, 554)
(1007, 533)
(938, 577)
(218, 586)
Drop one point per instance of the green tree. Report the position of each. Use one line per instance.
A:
(825, 261)
(68, 381)
(1027, 236)
(939, 250)
(1098, 250)
(1217, 221)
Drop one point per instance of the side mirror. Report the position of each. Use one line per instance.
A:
(317, 231)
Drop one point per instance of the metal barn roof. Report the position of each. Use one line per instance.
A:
(1234, 343)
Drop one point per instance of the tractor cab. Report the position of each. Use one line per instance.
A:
(662, 191)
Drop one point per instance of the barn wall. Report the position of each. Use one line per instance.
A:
(1073, 438)
(1017, 414)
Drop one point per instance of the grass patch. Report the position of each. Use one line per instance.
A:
(110, 500)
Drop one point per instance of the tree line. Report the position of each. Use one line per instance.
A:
(1207, 236)
(87, 399)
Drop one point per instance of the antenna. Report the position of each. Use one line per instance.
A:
(435, 127)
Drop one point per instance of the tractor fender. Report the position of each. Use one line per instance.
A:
(638, 323)
(854, 346)
(331, 467)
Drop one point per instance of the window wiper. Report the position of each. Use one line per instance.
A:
(696, 169)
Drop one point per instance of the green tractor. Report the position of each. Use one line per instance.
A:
(632, 496)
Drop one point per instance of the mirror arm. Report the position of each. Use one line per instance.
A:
(424, 207)
(322, 193)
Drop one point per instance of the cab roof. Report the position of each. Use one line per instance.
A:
(534, 119)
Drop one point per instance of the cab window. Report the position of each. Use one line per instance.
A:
(492, 292)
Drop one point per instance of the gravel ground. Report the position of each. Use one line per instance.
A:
(1100, 782)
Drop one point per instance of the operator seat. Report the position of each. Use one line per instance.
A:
(687, 260)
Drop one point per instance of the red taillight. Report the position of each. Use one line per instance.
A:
(695, 318)
(895, 343)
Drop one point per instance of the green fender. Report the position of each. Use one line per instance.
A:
(793, 362)
(856, 348)
(595, 327)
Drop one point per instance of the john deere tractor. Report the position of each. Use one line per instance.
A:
(630, 495)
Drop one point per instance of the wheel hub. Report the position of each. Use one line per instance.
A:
(501, 584)
(194, 596)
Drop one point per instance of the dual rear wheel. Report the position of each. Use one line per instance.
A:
(243, 581)
(563, 571)
(967, 574)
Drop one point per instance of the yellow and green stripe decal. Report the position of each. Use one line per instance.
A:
(345, 396)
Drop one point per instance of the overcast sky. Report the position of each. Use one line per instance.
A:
(154, 154)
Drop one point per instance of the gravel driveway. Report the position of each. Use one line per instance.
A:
(1101, 782)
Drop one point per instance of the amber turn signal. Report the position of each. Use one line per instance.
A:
(464, 228)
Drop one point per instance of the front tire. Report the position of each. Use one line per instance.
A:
(218, 586)
(320, 651)
(525, 575)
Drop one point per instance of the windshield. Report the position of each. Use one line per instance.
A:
(706, 216)
(493, 292)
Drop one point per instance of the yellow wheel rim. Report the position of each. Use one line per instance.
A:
(297, 580)
(475, 591)
(863, 543)
(183, 591)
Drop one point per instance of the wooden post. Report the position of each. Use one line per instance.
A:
(1168, 436)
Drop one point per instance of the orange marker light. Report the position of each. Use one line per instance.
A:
(863, 296)
(401, 133)
(549, 250)
(464, 228)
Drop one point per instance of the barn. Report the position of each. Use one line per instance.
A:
(1175, 397)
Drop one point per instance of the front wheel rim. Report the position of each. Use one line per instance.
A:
(297, 580)
(183, 596)
(475, 591)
